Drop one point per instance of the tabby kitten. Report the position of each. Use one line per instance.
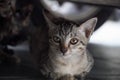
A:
(67, 54)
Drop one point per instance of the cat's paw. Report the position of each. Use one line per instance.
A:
(67, 77)
(81, 76)
(9, 59)
(14, 59)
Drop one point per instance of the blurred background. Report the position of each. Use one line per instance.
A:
(104, 44)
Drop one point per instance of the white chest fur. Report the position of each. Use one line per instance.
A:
(74, 65)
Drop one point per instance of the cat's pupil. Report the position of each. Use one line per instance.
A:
(74, 41)
(56, 39)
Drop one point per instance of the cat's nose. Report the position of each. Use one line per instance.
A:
(64, 50)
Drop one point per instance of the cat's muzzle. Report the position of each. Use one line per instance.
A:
(64, 50)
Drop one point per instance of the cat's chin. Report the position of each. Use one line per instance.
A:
(66, 55)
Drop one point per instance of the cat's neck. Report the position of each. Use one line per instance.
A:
(73, 65)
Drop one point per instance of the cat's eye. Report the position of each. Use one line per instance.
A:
(56, 39)
(74, 41)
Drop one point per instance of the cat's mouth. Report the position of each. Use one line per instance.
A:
(67, 54)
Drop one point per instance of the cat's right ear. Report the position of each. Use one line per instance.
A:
(49, 17)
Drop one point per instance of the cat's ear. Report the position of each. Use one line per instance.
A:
(88, 27)
(28, 10)
(49, 17)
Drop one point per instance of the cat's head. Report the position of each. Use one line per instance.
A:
(14, 18)
(67, 38)
(5, 6)
(21, 18)
(23, 14)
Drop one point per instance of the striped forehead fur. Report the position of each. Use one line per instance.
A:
(65, 27)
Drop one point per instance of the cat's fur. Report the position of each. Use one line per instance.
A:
(62, 60)
(13, 20)
(14, 24)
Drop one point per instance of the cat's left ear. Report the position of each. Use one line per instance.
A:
(87, 27)
(49, 17)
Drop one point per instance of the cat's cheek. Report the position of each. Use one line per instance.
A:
(73, 48)
(70, 50)
(81, 49)
(50, 41)
(57, 48)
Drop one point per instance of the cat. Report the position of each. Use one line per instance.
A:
(65, 56)
(14, 28)
(6, 27)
